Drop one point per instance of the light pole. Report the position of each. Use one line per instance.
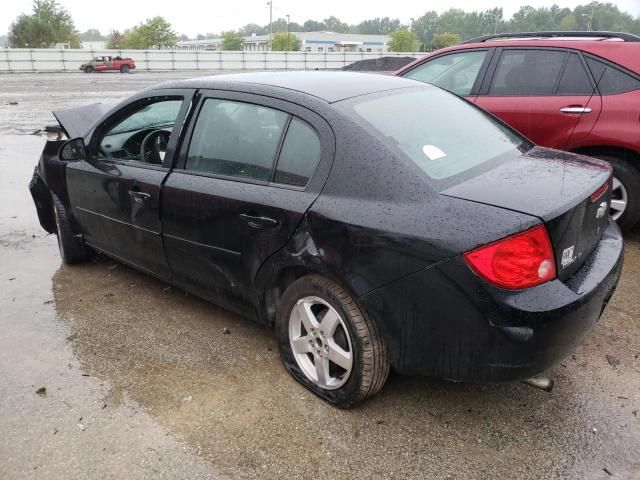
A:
(496, 18)
(288, 41)
(411, 28)
(270, 3)
(590, 24)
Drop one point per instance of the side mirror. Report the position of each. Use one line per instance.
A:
(73, 150)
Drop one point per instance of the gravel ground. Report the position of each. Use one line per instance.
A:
(141, 382)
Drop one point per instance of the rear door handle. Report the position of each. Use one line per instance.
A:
(575, 109)
(256, 221)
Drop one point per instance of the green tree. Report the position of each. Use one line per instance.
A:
(491, 21)
(403, 40)
(232, 41)
(313, 26)
(92, 35)
(278, 25)
(251, 28)
(49, 24)
(445, 39)
(378, 26)
(603, 16)
(283, 42)
(334, 24)
(529, 19)
(568, 23)
(115, 40)
(425, 27)
(157, 33)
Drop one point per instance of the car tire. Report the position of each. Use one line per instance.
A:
(72, 248)
(124, 68)
(628, 191)
(88, 69)
(347, 360)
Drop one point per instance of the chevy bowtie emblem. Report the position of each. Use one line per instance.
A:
(602, 210)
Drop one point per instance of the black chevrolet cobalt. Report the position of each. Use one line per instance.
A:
(374, 222)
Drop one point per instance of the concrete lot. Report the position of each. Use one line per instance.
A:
(141, 382)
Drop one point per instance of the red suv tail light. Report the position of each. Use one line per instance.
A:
(521, 261)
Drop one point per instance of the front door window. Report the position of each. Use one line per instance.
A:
(143, 134)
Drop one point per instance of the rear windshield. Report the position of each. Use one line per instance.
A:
(441, 133)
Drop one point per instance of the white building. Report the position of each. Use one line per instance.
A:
(310, 42)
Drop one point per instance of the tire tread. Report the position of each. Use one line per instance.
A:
(375, 363)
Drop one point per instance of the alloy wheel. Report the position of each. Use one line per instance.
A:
(618, 199)
(320, 343)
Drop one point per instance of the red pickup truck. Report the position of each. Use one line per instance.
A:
(107, 63)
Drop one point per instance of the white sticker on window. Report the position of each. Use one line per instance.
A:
(432, 152)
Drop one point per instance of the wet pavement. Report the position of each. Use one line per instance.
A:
(141, 381)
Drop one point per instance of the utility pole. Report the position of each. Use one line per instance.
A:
(270, 3)
(288, 41)
(590, 17)
(412, 39)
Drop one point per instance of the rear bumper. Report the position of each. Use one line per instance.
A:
(446, 322)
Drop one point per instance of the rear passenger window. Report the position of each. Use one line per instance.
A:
(574, 80)
(299, 156)
(527, 72)
(236, 139)
(610, 80)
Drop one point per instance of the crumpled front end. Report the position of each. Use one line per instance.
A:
(49, 177)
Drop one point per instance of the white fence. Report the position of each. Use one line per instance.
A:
(52, 60)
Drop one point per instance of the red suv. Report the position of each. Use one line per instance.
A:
(576, 91)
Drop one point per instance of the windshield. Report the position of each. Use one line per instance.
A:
(442, 134)
(155, 115)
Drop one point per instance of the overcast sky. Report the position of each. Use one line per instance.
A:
(197, 16)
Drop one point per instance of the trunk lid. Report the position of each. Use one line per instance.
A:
(556, 187)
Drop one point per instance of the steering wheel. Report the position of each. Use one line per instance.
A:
(154, 146)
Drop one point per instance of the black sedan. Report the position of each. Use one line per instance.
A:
(373, 221)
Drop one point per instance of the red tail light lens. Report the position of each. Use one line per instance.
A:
(521, 261)
(601, 191)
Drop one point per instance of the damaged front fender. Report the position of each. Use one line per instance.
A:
(49, 177)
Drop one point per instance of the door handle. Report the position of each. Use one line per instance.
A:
(575, 109)
(138, 195)
(257, 221)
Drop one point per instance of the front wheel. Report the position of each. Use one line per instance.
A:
(328, 344)
(124, 69)
(88, 69)
(72, 248)
(625, 195)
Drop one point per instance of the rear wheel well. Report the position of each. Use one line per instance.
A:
(276, 288)
(631, 157)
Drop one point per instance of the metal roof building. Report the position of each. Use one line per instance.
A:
(310, 42)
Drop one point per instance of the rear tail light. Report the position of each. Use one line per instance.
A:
(521, 261)
(601, 191)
